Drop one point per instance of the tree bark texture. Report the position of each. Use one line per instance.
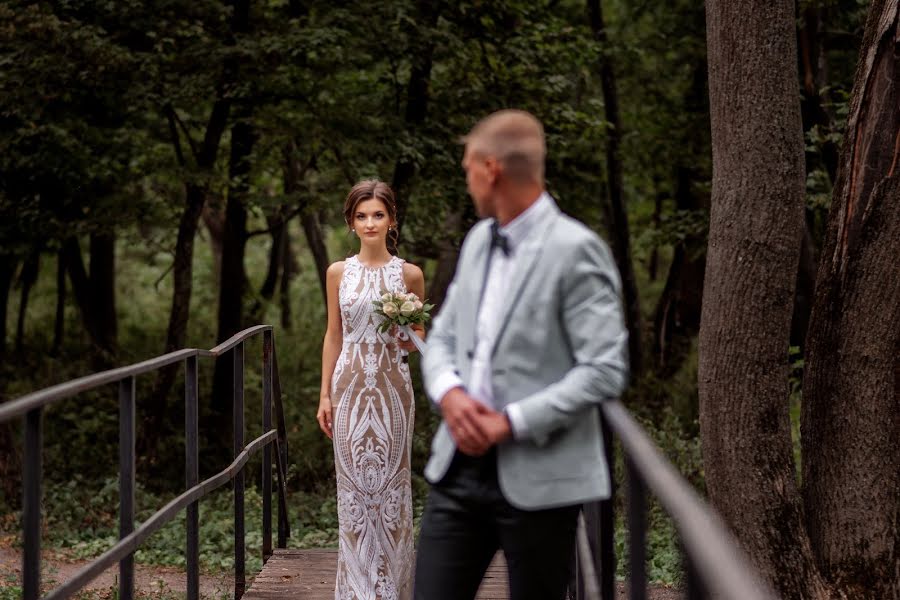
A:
(103, 287)
(754, 245)
(618, 221)
(851, 391)
(27, 278)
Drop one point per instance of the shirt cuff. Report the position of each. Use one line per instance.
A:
(516, 421)
(442, 384)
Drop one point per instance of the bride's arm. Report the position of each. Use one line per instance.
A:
(331, 346)
(415, 283)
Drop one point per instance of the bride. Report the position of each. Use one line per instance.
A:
(366, 405)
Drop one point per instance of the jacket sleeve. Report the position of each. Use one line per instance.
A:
(594, 325)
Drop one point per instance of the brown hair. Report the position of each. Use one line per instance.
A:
(372, 189)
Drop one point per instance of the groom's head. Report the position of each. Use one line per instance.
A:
(504, 162)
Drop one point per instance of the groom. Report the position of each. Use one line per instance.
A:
(529, 341)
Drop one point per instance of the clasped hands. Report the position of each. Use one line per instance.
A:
(474, 426)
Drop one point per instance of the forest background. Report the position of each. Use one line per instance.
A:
(175, 171)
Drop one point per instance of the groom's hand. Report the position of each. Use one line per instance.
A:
(464, 415)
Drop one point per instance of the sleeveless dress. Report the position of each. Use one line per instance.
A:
(372, 400)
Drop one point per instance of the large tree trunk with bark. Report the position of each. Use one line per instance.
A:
(754, 245)
(851, 391)
(103, 287)
(617, 214)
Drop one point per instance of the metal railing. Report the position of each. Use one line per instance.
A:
(31, 408)
(715, 565)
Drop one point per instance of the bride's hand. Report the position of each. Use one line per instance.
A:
(324, 416)
(406, 342)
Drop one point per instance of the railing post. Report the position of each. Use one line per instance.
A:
(192, 476)
(694, 590)
(238, 414)
(31, 505)
(607, 518)
(267, 451)
(637, 532)
(126, 482)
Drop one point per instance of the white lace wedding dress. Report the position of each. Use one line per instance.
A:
(373, 420)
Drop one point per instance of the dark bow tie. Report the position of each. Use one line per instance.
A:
(498, 240)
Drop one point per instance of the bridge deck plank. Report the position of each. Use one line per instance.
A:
(309, 575)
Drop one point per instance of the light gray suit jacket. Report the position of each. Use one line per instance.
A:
(561, 349)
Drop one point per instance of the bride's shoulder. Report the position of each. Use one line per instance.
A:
(335, 269)
(412, 272)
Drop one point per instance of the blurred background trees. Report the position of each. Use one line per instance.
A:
(171, 172)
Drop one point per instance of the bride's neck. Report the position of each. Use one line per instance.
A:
(376, 256)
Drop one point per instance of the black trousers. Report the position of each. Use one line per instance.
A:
(467, 520)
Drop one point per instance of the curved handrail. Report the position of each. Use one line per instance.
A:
(31, 408)
(20, 406)
(132, 542)
(723, 567)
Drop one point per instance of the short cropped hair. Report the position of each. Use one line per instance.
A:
(516, 139)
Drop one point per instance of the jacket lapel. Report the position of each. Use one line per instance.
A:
(526, 260)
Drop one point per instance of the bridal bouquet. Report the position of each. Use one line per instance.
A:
(402, 310)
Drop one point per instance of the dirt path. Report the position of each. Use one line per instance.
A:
(149, 582)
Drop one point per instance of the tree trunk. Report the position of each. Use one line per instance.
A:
(215, 226)
(851, 391)
(81, 288)
(618, 221)
(288, 269)
(278, 232)
(233, 284)
(309, 219)
(7, 272)
(754, 244)
(678, 311)
(448, 255)
(183, 273)
(422, 51)
(103, 288)
(27, 279)
(316, 241)
(59, 326)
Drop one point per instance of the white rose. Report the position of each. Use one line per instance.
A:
(407, 309)
(418, 304)
(390, 310)
(386, 297)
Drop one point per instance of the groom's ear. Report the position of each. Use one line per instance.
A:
(493, 167)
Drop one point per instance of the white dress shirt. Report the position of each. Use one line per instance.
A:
(490, 310)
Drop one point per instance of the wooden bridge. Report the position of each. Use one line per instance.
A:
(714, 565)
(309, 574)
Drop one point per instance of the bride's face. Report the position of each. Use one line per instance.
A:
(371, 221)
